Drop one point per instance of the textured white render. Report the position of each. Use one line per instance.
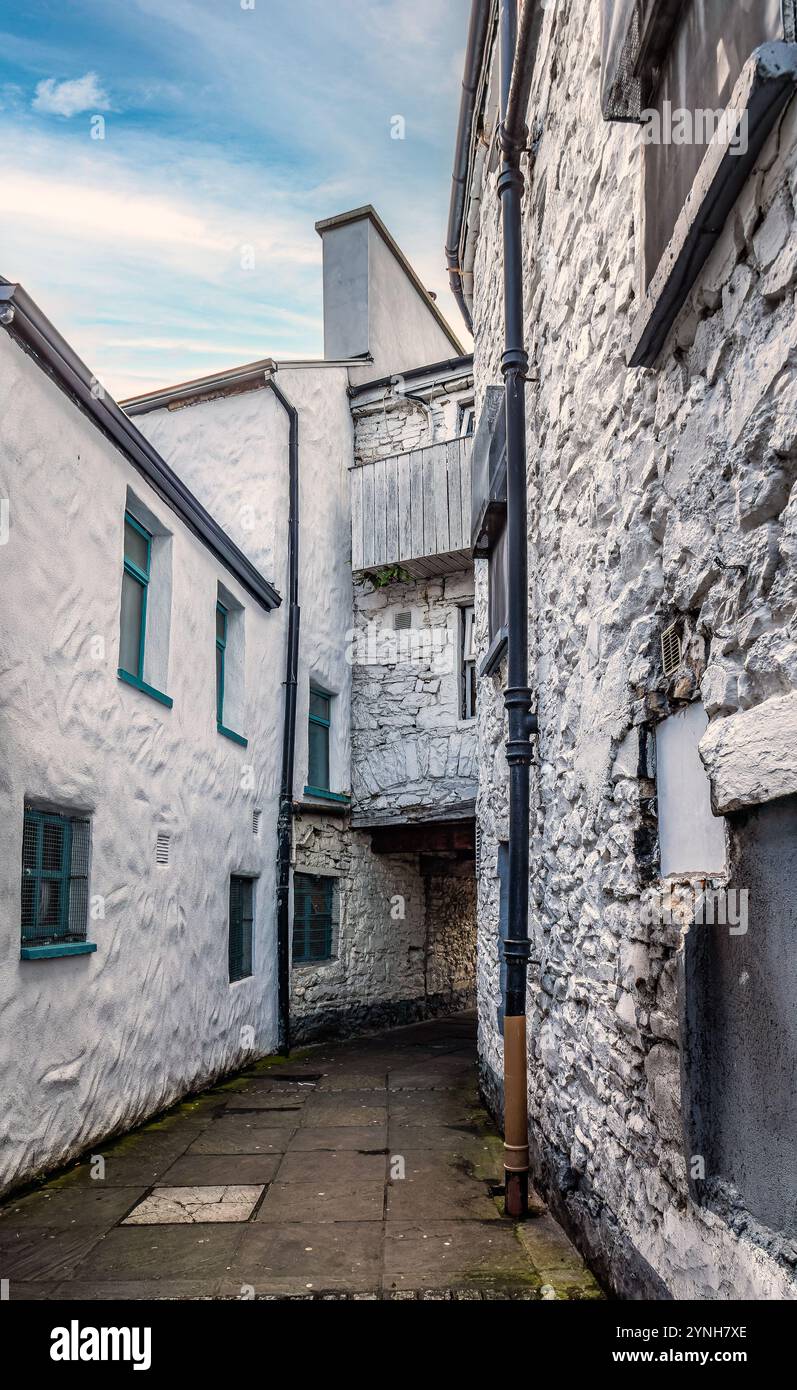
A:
(232, 452)
(654, 495)
(91, 1044)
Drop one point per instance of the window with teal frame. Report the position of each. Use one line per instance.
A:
(221, 650)
(242, 917)
(55, 867)
(313, 918)
(318, 740)
(135, 586)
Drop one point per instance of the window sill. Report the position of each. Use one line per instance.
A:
(495, 653)
(341, 798)
(766, 84)
(57, 948)
(235, 738)
(145, 689)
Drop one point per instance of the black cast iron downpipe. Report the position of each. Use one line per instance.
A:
(513, 137)
(285, 813)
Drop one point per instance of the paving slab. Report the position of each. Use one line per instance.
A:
(296, 1258)
(73, 1206)
(461, 1254)
(364, 1138)
(214, 1170)
(328, 1165)
(239, 1136)
(194, 1205)
(324, 1201)
(161, 1252)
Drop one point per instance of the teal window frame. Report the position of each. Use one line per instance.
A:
(60, 937)
(221, 657)
(241, 927)
(221, 664)
(141, 577)
(314, 786)
(313, 930)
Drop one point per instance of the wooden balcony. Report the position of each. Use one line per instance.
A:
(413, 510)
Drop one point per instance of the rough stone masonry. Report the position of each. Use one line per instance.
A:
(654, 496)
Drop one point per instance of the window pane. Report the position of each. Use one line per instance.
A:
(219, 684)
(221, 624)
(319, 705)
(52, 848)
(240, 927)
(50, 902)
(136, 548)
(318, 769)
(132, 613)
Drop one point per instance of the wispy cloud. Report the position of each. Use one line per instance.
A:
(71, 97)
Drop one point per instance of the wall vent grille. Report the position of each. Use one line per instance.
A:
(162, 847)
(671, 649)
(478, 865)
(402, 621)
(256, 822)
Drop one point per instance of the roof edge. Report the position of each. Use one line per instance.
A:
(24, 321)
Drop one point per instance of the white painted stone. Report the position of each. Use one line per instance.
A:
(751, 757)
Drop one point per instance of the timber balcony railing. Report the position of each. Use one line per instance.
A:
(413, 510)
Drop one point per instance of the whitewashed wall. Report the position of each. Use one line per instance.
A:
(94, 1043)
(652, 494)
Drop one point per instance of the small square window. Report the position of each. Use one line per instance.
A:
(55, 869)
(314, 917)
(241, 926)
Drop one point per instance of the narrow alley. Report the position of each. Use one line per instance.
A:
(363, 1170)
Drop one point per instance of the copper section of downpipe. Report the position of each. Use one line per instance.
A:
(516, 1122)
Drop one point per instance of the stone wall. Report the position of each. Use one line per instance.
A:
(410, 747)
(392, 423)
(405, 941)
(654, 495)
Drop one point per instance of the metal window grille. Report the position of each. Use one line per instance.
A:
(314, 912)
(55, 873)
(671, 649)
(241, 925)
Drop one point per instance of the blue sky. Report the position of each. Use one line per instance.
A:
(183, 241)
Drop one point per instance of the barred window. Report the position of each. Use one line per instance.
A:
(314, 917)
(241, 924)
(55, 877)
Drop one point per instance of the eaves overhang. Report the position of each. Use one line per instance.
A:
(23, 320)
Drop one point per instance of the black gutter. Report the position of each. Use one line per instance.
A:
(513, 137)
(36, 334)
(477, 36)
(450, 364)
(285, 812)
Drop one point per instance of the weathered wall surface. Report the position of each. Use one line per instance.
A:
(410, 747)
(94, 1043)
(653, 494)
(405, 943)
(392, 424)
